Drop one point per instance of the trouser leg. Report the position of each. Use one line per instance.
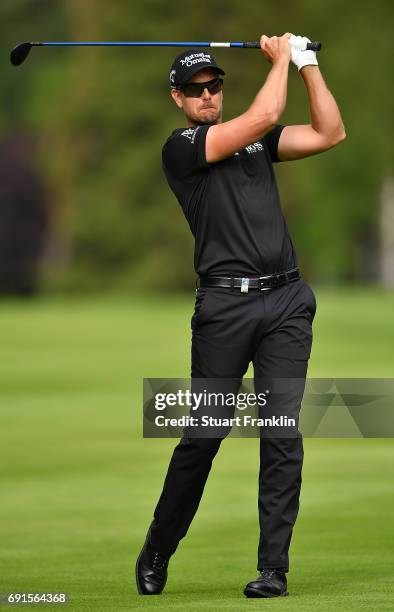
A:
(183, 488)
(215, 355)
(279, 490)
(283, 353)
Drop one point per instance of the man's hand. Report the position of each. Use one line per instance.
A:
(276, 48)
(300, 56)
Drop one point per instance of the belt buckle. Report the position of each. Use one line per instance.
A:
(244, 285)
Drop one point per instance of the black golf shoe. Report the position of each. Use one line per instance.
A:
(150, 570)
(270, 583)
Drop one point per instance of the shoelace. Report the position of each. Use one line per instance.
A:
(267, 572)
(159, 562)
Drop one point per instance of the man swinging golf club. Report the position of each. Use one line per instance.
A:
(251, 304)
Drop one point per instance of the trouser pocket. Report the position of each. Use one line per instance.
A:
(201, 298)
(310, 299)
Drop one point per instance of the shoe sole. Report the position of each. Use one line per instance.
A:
(255, 593)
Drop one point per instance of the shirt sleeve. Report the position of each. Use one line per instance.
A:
(271, 140)
(184, 152)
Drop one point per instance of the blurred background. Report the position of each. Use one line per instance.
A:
(97, 292)
(84, 204)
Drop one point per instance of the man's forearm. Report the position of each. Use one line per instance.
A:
(271, 99)
(325, 116)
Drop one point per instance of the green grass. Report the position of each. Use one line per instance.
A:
(79, 483)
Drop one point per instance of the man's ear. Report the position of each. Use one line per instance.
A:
(176, 96)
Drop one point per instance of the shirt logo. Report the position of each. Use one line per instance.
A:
(254, 148)
(190, 133)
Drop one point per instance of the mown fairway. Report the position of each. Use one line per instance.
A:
(79, 483)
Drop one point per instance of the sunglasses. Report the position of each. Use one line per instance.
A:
(194, 90)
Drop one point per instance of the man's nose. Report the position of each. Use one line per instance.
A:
(205, 94)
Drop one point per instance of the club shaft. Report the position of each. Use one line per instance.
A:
(20, 52)
(246, 45)
(141, 44)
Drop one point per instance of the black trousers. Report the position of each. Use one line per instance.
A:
(273, 329)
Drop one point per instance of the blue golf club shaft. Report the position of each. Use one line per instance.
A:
(21, 51)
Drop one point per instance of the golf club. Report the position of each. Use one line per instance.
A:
(22, 50)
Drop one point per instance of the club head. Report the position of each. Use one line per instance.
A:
(20, 53)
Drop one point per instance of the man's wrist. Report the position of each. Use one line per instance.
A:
(281, 65)
(308, 68)
(283, 61)
(309, 71)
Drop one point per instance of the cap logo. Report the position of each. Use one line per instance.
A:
(172, 76)
(196, 58)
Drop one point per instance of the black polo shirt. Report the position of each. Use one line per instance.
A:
(232, 206)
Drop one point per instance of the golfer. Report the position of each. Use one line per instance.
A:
(251, 304)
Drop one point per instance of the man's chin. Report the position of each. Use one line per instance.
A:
(205, 118)
(208, 119)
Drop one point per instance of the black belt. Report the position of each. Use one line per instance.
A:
(244, 284)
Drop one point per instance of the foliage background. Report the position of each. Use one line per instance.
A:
(95, 120)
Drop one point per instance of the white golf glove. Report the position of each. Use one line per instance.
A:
(300, 56)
